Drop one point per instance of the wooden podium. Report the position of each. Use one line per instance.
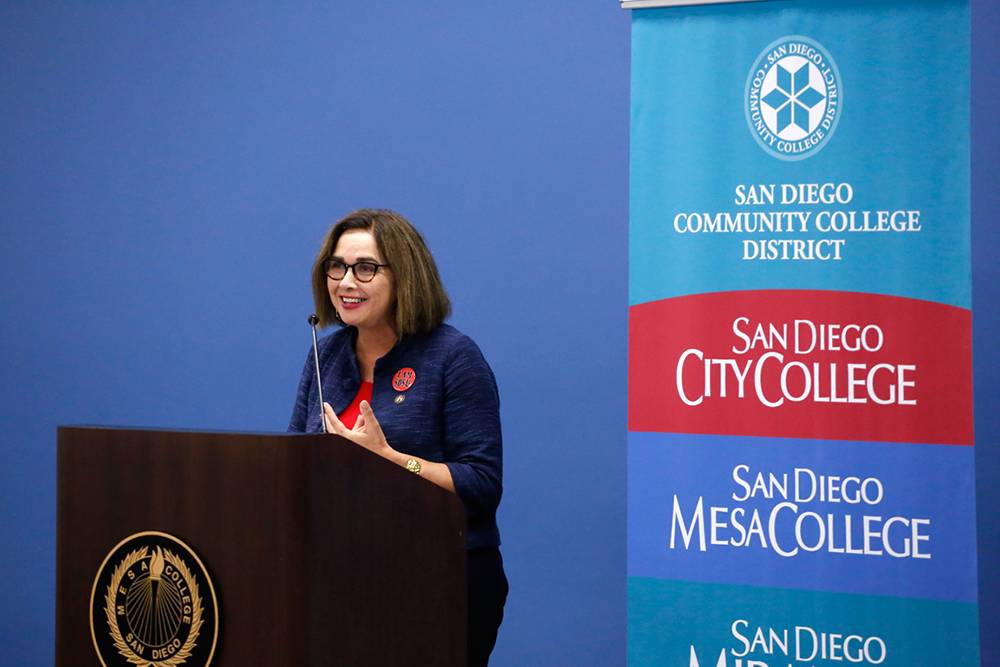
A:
(320, 552)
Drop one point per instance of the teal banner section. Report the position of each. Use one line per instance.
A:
(712, 625)
(814, 145)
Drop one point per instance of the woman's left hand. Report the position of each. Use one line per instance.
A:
(366, 432)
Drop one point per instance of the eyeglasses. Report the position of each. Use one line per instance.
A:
(364, 271)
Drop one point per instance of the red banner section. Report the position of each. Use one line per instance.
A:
(804, 364)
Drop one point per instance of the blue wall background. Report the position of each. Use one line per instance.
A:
(985, 112)
(167, 172)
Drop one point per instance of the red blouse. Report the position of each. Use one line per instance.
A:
(351, 413)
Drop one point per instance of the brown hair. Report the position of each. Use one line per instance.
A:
(421, 304)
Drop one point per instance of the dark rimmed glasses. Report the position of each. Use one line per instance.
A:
(364, 271)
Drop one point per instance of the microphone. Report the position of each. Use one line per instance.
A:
(313, 321)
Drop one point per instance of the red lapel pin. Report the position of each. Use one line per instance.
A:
(403, 379)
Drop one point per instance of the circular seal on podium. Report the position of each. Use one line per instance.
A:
(153, 603)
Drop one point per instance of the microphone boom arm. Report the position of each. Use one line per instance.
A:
(313, 321)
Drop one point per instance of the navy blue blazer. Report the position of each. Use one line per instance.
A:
(451, 413)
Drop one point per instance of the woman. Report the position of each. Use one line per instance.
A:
(408, 387)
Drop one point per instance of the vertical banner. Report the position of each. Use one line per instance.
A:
(800, 476)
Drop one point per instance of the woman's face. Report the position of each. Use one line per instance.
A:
(362, 305)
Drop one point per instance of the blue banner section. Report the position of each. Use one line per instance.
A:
(859, 517)
(710, 625)
(815, 145)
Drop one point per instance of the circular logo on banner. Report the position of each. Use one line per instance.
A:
(794, 98)
(153, 605)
